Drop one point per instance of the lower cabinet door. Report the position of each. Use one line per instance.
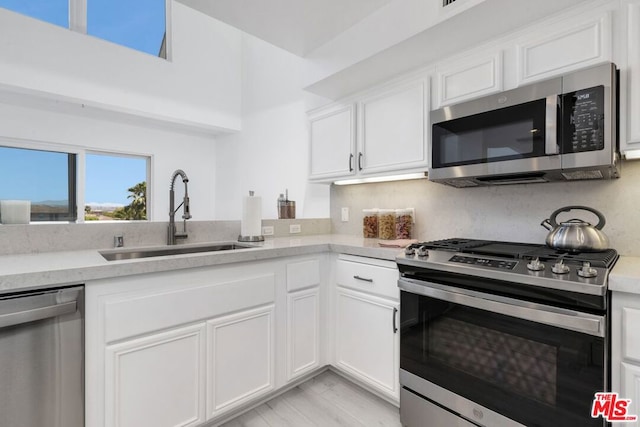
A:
(303, 332)
(367, 343)
(157, 380)
(240, 358)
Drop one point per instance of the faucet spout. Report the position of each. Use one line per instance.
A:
(186, 213)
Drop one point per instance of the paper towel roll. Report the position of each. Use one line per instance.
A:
(251, 225)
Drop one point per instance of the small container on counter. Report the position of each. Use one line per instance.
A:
(387, 224)
(404, 223)
(370, 223)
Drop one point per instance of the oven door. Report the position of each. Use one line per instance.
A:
(488, 357)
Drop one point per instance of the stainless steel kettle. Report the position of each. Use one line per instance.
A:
(576, 235)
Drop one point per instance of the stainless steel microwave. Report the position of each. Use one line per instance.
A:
(561, 129)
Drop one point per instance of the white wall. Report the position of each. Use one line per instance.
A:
(271, 152)
(201, 83)
(171, 150)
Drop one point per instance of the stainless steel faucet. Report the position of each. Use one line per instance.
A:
(173, 234)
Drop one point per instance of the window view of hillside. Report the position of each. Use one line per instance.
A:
(46, 178)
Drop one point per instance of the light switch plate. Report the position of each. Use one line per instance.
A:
(295, 228)
(345, 214)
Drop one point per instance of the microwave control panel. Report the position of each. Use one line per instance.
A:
(583, 120)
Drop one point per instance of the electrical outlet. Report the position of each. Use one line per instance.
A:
(345, 214)
(295, 228)
(118, 241)
(267, 230)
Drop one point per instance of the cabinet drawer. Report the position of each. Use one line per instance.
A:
(374, 279)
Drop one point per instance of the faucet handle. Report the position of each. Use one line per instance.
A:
(185, 208)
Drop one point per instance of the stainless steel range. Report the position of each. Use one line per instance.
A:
(502, 334)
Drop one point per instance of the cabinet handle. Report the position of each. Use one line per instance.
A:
(364, 279)
(395, 312)
(351, 162)
(360, 161)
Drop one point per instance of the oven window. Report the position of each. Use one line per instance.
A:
(516, 132)
(535, 374)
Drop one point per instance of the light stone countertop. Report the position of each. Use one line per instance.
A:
(625, 276)
(33, 271)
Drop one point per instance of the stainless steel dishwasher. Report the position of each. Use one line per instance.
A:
(42, 358)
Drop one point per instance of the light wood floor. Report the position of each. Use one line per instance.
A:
(325, 401)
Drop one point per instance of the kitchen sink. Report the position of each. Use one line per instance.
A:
(117, 255)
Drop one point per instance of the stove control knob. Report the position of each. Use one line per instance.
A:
(409, 250)
(587, 271)
(422, 251)
(560, 267)
(535, 265)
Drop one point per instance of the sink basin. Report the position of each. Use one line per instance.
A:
(117, 255)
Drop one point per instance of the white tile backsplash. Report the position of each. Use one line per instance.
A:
(511, 212)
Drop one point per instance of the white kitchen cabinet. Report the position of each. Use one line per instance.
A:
(303, 332)
(240, 359)
(157, 379)
(194, 346)
(470, 77)
(392, 128)
(366, 339)
(188, 344)
(303, 318)
(391, 133)
(332, 142)
(625, 350)
(563, 47)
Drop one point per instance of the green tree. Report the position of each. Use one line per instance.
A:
(137, 209)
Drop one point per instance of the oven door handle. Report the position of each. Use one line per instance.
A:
(559, 317)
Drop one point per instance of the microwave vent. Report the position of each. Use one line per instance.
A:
(578, 175)
(460, 183)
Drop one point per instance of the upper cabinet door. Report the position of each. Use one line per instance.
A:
(393, 129)
(558, 51)
(332, 136)
(469, 78)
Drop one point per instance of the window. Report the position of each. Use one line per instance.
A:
(138, 24)
(46, 178)
(115, 187)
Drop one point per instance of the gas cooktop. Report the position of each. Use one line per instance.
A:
(526, 251)
(519, 263)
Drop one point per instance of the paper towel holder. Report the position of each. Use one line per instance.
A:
(259, 238)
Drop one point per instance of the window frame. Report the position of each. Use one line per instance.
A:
(79, 183)
(78, 23)
(99, 152)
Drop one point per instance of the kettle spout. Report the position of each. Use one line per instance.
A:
(547, 224)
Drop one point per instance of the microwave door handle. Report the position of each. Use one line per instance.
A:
(551, 125)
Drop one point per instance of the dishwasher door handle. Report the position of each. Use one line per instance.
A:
(25, 316)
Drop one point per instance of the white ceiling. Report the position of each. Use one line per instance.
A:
(299, 26)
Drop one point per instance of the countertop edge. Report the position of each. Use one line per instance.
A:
(53, 269)
(625, 276)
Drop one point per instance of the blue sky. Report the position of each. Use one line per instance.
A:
(109, 177)
(139, 24)
(33, 175)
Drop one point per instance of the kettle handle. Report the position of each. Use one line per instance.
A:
(601, 220)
